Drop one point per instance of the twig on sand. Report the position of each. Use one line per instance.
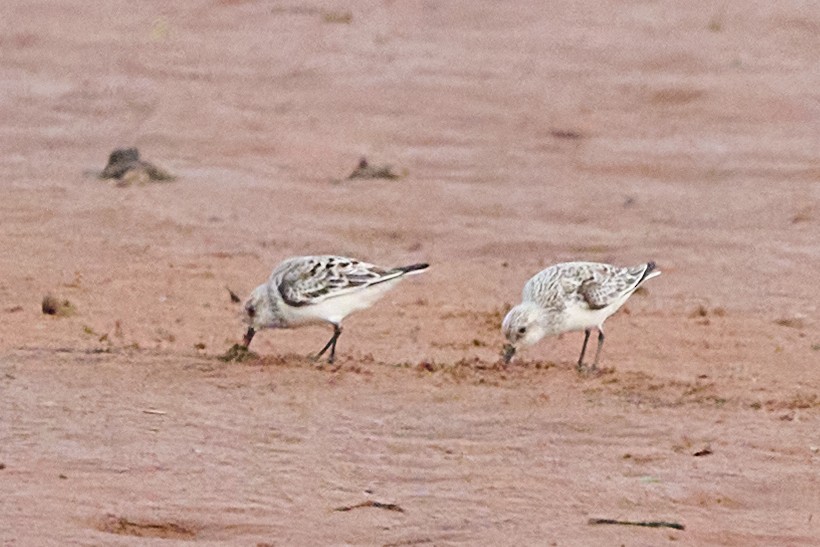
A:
(646, 523)
(371, 503)
(234, 297)
(154, 411)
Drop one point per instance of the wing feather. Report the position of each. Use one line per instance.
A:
(606, 285)
(309, 280)
(589, 285)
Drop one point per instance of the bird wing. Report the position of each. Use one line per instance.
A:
(309, 280)
(543, 288)
(605, 284)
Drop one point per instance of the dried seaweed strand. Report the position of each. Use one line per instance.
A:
(646, 523)
(371, 503)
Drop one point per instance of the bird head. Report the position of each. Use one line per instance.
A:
(259, 311)
(524, 325)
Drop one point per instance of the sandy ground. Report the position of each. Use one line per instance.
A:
(675, 131)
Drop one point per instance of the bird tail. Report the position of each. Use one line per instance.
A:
(413, 268)
(649, 272)
(399, 272)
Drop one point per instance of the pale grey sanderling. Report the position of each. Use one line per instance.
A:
(571, 296)
(319, 289)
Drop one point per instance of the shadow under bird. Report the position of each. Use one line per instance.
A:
(308, 290)
(571, 296)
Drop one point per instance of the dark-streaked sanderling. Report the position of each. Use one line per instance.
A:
(319, 289)
(571, 296)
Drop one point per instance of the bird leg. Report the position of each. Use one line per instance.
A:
(331, 344)
(580, 366)
(598, 351)
(246, 341)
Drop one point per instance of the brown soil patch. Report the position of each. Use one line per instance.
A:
(125, 527)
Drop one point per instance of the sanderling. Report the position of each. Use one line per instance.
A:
(571, 296)
(319, 289)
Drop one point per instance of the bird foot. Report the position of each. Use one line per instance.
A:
(591, 370)
(317, 360)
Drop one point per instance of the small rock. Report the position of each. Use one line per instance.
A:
(137, 176)
(126, 167)
(796, 322)
(54, 306)
(366, 171)
(705, 451)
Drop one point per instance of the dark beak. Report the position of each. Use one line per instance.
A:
(509, 351)
(246, 341)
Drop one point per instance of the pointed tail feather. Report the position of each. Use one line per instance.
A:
(399, 272)
(649, 272)
(413, 268)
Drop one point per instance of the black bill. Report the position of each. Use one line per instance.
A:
(509, 351)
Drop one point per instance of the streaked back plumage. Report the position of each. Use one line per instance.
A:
(593, 285)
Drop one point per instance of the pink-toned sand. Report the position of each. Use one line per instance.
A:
(531, 133)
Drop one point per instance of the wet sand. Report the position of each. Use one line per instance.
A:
(684, 134)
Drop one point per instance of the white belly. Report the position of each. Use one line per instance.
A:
(333, 310)
(577, 318)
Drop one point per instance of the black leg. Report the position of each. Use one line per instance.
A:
(246, 341)
(583, 349)
(331, 344)
(337, 331)
(598, 352)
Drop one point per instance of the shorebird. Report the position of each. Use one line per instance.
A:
(571, 296)
(319, 289)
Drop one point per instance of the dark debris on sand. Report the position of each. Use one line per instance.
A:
(52, 305)
(126, 166)
(367, 171)
(238, 353)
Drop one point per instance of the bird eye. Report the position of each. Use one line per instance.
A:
(251, 311)
(522, 330)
